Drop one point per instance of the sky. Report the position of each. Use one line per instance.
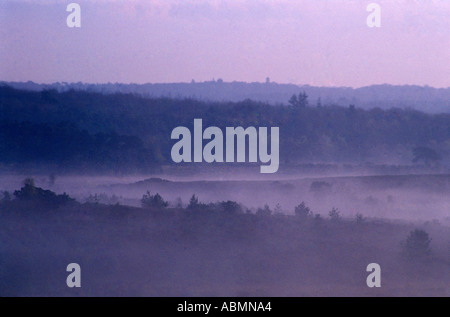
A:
(315, 42)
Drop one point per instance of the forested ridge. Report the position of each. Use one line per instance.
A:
(93, 130)
(422, 98)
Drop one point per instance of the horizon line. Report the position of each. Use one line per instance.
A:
(217, 81)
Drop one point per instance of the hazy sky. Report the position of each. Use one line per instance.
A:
(316, 42)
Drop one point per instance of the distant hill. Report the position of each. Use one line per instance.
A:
(423, 98)
(127, 132)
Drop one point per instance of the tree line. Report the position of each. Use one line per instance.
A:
(53, 127)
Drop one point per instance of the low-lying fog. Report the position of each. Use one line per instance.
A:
(405, 197)
(125, 251)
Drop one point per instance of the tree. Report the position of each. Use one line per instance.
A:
(230, 207)
(300, 101)
(153, 201)
(278, 210)
(93, 199)
(302, 211)
(294, 100)
(334, 214)
(30, 193)
(193, 203)
(417, 244)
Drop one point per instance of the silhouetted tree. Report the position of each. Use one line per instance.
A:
(193, 203)
(93, 199)
(302, 211)
(155, 201)
(278, 210)
(69, 136)
(334, 214)
(29, 192)
(302, 99)
(230, 207)
(293, 101)
(417, 244)
(299, 101)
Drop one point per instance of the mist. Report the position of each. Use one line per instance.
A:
(128, 249)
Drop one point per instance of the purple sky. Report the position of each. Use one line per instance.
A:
(322, 43)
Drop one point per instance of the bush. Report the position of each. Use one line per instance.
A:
(193, 203)
(417, 244)
(230, 207)
(302, 211)
(334, 214)
(278, 210)
(103, 199)
(29, 192)
(153, 201)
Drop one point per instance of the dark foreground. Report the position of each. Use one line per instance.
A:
(126, 251)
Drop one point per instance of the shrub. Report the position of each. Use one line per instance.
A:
(334, 214)
(278, 210)
(29, 192)
(417, 244)
(193, 203)
(153, 201)
(302, 211)
(230, 207)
